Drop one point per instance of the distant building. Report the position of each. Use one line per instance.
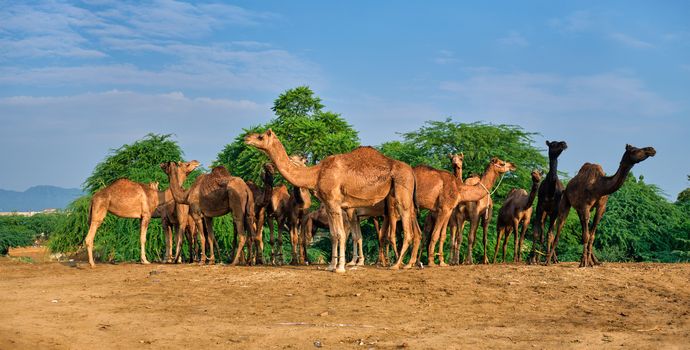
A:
(28, 213)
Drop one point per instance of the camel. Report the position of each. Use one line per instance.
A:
(297, 208)
(440, 192)
(359, 178)
(128, 199)
(516, 209)
(175, 218)
(262, 201)
(213, 195)
(277, 210)
(548, 197)
(589, 189)
(355, 218)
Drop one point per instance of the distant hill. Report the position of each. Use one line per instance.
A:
(38, 198)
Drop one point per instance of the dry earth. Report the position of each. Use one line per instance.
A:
(56, 305)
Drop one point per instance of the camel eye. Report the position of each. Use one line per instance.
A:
(260, 137)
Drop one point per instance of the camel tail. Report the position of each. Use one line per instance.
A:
(88, 220)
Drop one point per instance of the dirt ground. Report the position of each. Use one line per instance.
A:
(71, 306)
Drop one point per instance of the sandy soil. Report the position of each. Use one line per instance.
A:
(55, 305)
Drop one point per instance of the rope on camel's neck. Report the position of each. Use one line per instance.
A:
(490, 193)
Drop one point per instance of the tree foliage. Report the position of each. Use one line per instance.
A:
(21, 231)
(302, 126)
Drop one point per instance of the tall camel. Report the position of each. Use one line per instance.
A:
(128, 199)
(516, 209)
(548, 197)
(468, 207)
(262, 201)
(213, 195)
(360, 178)
(591, 188)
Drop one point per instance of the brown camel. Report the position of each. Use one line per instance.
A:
(175, 219)
(318, 219)
(440, 192)
(278, 211)
(128, 199)
(212, 195)
(548, 197)
(591, 188)
(262, 201)
(360, 178)
(356, 217)
(298, 207)
(516, 209)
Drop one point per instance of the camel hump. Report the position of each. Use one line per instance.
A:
(516, 192)
(472, 180)
(591, 169)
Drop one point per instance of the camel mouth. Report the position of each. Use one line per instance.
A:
(651, 152)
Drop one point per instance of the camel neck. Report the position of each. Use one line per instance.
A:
(178, 193)
(532, 194)
(299, 176)
(457, 171)
(610, 184)
(165, 196)
(473, 193)
(268, 188)
(553, 167)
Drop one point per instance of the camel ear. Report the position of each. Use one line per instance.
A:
(628, 147)
(164, 166)
(548, 143)
(269, 132)
(494, 160)
(462, 155)
(450, 155)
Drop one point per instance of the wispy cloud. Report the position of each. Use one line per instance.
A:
(514, 39)
(445, 57)
(629, 41)
(577, 21)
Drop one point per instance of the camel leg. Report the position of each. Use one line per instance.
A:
(202, 239)
(518, 255)
(442, 217)
(499, 235)
(460, 226)
(516, 240)
(181, 229)
(97, 214)
(142, 238)
(453, 242)
(564, 208)
(441, 242)
(474, 223)
(381, 260)
(600, 209)
(208, 223)
(259, 237)
(584, 215)
(407, 239)
(356, 229)
(537, 235)
(294, 242)
(339, 236)
(509, 230)
(485, 229)
(241, 234)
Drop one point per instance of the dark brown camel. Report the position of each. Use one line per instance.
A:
(212, 195)
(277, 210)
(591, 188)
(548, 197)
(128, 199)
(359, 178)
(516, 209)
(297, 208)
(262, 202)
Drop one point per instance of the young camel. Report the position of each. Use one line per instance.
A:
(175, 221)
(360, 178)
(591, 188)
(297, 208)
(262, 203)
(128, 199)
(548, 199)
(477, 210)
(516, 209)
(277, 210)
(213, 195)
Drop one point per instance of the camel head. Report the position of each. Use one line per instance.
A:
(262, 141)
(536, 175)
(269, 168)
(634, 155)
(457, 159)
(502, 166)
(556, 147)
(181, 168)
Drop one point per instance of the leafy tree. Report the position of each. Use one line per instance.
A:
(684, 196)
(301, 125)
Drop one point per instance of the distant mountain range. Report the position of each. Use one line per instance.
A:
(38, 198)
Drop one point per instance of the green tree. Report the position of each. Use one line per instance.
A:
(301, 125)
(684, 196)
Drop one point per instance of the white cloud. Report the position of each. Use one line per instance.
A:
(629, 41)
(445, 57)
(577, 21)
(514, 39)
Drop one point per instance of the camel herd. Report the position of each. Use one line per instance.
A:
(352, 187)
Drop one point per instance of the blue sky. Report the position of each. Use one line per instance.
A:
(80, 78)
